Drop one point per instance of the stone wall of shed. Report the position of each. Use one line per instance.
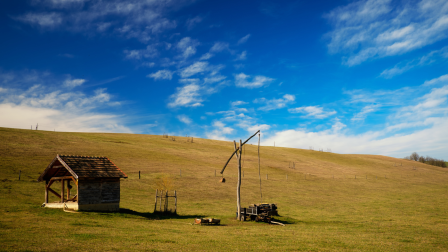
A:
(99, 194)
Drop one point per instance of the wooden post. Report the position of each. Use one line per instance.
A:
(166, 201)
(266, 177)
(155, 203)
(62, 191)
(175, 201)
(46, 191)
(238, 185)
(138, 174)
(20, 172)
(160, 207)
(68, 189)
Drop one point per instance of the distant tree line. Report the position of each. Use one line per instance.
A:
(427, 160)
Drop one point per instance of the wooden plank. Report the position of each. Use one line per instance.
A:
(55, 193)
(59, 178)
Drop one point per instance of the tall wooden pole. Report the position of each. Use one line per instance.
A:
(239, 183)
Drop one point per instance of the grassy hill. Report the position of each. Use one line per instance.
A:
(329, 201)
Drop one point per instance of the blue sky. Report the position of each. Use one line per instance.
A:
(347, 76)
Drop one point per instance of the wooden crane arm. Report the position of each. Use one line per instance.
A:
(231, 156)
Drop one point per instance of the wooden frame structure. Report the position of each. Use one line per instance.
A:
(164, 198)
(97, 182)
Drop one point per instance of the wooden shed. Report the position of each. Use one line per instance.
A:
(96, 183)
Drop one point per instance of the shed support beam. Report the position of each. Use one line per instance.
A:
(46, 191)
(55, 193)
(62, 191)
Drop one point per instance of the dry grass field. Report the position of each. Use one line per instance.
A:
(329, 202)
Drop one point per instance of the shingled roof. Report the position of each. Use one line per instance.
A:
(81, 167)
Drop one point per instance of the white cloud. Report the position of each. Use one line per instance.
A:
(59, 110)
(131, 18)
(186, 96)
(187, 46)
(206, 56)
(201, 67)
(44, 20)
(276, 103)
(364, 111)
(192, 22)
(242, 56)
(420, 127)
(185, 119)
(378, 28)
(437, 55)
(219, 47)
(219, 131)
(313, 111)
(441, 79)
(237, 103)
(71, 83)
(241, 80)
(149, 52)
(243, 39)
(161, 75)
(197, 67)
(374, 142)
(148, 64)
(261, 127)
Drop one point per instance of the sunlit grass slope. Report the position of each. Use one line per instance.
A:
(329, 201)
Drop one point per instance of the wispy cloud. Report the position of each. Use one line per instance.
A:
(219, 47)
(185, 119)
(378, 28)
(186, 96)
(243, 39)
(237, 103)
(364, 111)
(187, 46)
(192, 22)
(243, 80)
(441, 79)
(149, 52)
(275, 103)
(195, 68)
(242, 56)
(218, 131)
(313, 111)
(131, 19)
(427, 59)
(161, 75)
(71, 83)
